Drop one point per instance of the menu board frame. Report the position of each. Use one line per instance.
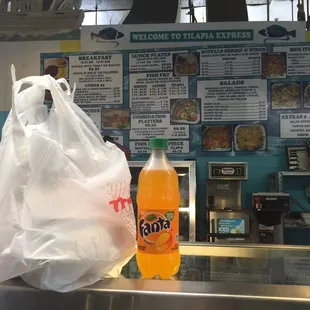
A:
(172, 104)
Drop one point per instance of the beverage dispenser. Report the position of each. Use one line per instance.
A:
(226, 220)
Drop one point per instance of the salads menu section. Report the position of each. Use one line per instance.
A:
(252, 98)
(233, 100)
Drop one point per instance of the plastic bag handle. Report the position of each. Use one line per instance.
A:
(68, 91)
(47, 83)
(59, 99)
(73, 90)
(13, 73)
(32, 80)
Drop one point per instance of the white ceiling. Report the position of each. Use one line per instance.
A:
(111, 5)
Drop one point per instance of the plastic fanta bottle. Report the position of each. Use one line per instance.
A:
(158, 201)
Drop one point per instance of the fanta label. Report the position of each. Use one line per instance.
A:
(158, 232)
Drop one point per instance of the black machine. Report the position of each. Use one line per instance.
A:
(270, 209)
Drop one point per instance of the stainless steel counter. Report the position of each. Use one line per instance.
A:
(234, 277)
(126, 294)
(250, 263)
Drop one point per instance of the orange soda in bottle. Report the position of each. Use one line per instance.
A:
(158, 201)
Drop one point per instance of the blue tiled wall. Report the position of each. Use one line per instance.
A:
(3, 116)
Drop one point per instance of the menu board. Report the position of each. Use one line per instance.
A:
(295, 125)
(98, 78)
(230, 61)
(232, 99)
(153, 61)
(174, 147)
(298, 60)
(146, 126)
(152, 91)
(94, 114)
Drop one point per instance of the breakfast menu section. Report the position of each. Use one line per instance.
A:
(98, 78)
(229, 99)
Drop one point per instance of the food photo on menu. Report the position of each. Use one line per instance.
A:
(217, 138)
(285, 96)
(57, 67)
(185, 111)
(250, 137)
(306, 95)
(186, 64)
(273, 65)
(116, 119)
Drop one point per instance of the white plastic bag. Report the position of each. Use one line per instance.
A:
(66, 217)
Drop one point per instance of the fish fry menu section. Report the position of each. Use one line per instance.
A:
(239, 98)
(153, 91)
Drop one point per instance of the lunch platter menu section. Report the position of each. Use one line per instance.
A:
(233, 100)
(154, 61)
(159, 99)
(204, 100)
